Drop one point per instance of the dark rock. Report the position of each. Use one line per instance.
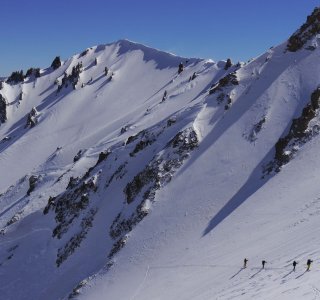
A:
(103, 156)
(51, 203)
(298, 134)
(228, 64)
(132, 138)
(3, 109)
(56, 63)
(75, 241)
(73, 181)
(78, 156)
(156, 174)
(84, 53)
(142, 145)
(124, 129)
(16, 77)
(117, 247)
(308, 30)
(32, 118)
(228, 80)
(71, 79)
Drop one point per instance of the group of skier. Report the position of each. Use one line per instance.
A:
(294, 264)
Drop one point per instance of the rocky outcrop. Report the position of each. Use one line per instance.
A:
(141, 191)
(146, 139)
(15, 77)
(228, 80)
(35, 72)
(32, 118)
(73, 208)
(118, 174)
(299, 133)
(221, 87)
(71, 79)
(75, 241)
(308, 30)
(56, 63)
(3, 109)
(32, 183)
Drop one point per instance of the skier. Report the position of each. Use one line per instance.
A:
(245, 263)
(164, 96)
(294, 265)
(180, 68)
(309, 261)
(263, 263)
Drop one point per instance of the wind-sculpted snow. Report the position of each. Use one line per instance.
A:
(162, 59)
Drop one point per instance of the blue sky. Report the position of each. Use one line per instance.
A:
(34, 31)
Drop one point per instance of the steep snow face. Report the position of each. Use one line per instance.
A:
(126, 172)
(222, 207)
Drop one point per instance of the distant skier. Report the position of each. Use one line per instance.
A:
(309, 261)
(164, 96)
(294, 265)
(245, 263)
(263, 264)
(181, 67)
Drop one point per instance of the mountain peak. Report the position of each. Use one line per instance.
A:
(163, 59)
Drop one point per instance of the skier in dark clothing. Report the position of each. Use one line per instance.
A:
(181, 67)
(263, 263)
(309, 261)
(294, 265)
(245, 263)
(164, 96)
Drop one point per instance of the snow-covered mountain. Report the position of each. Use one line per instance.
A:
(131, 173)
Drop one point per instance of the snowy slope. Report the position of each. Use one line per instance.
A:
(219, 210)
(118, 192)
(88, 119)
